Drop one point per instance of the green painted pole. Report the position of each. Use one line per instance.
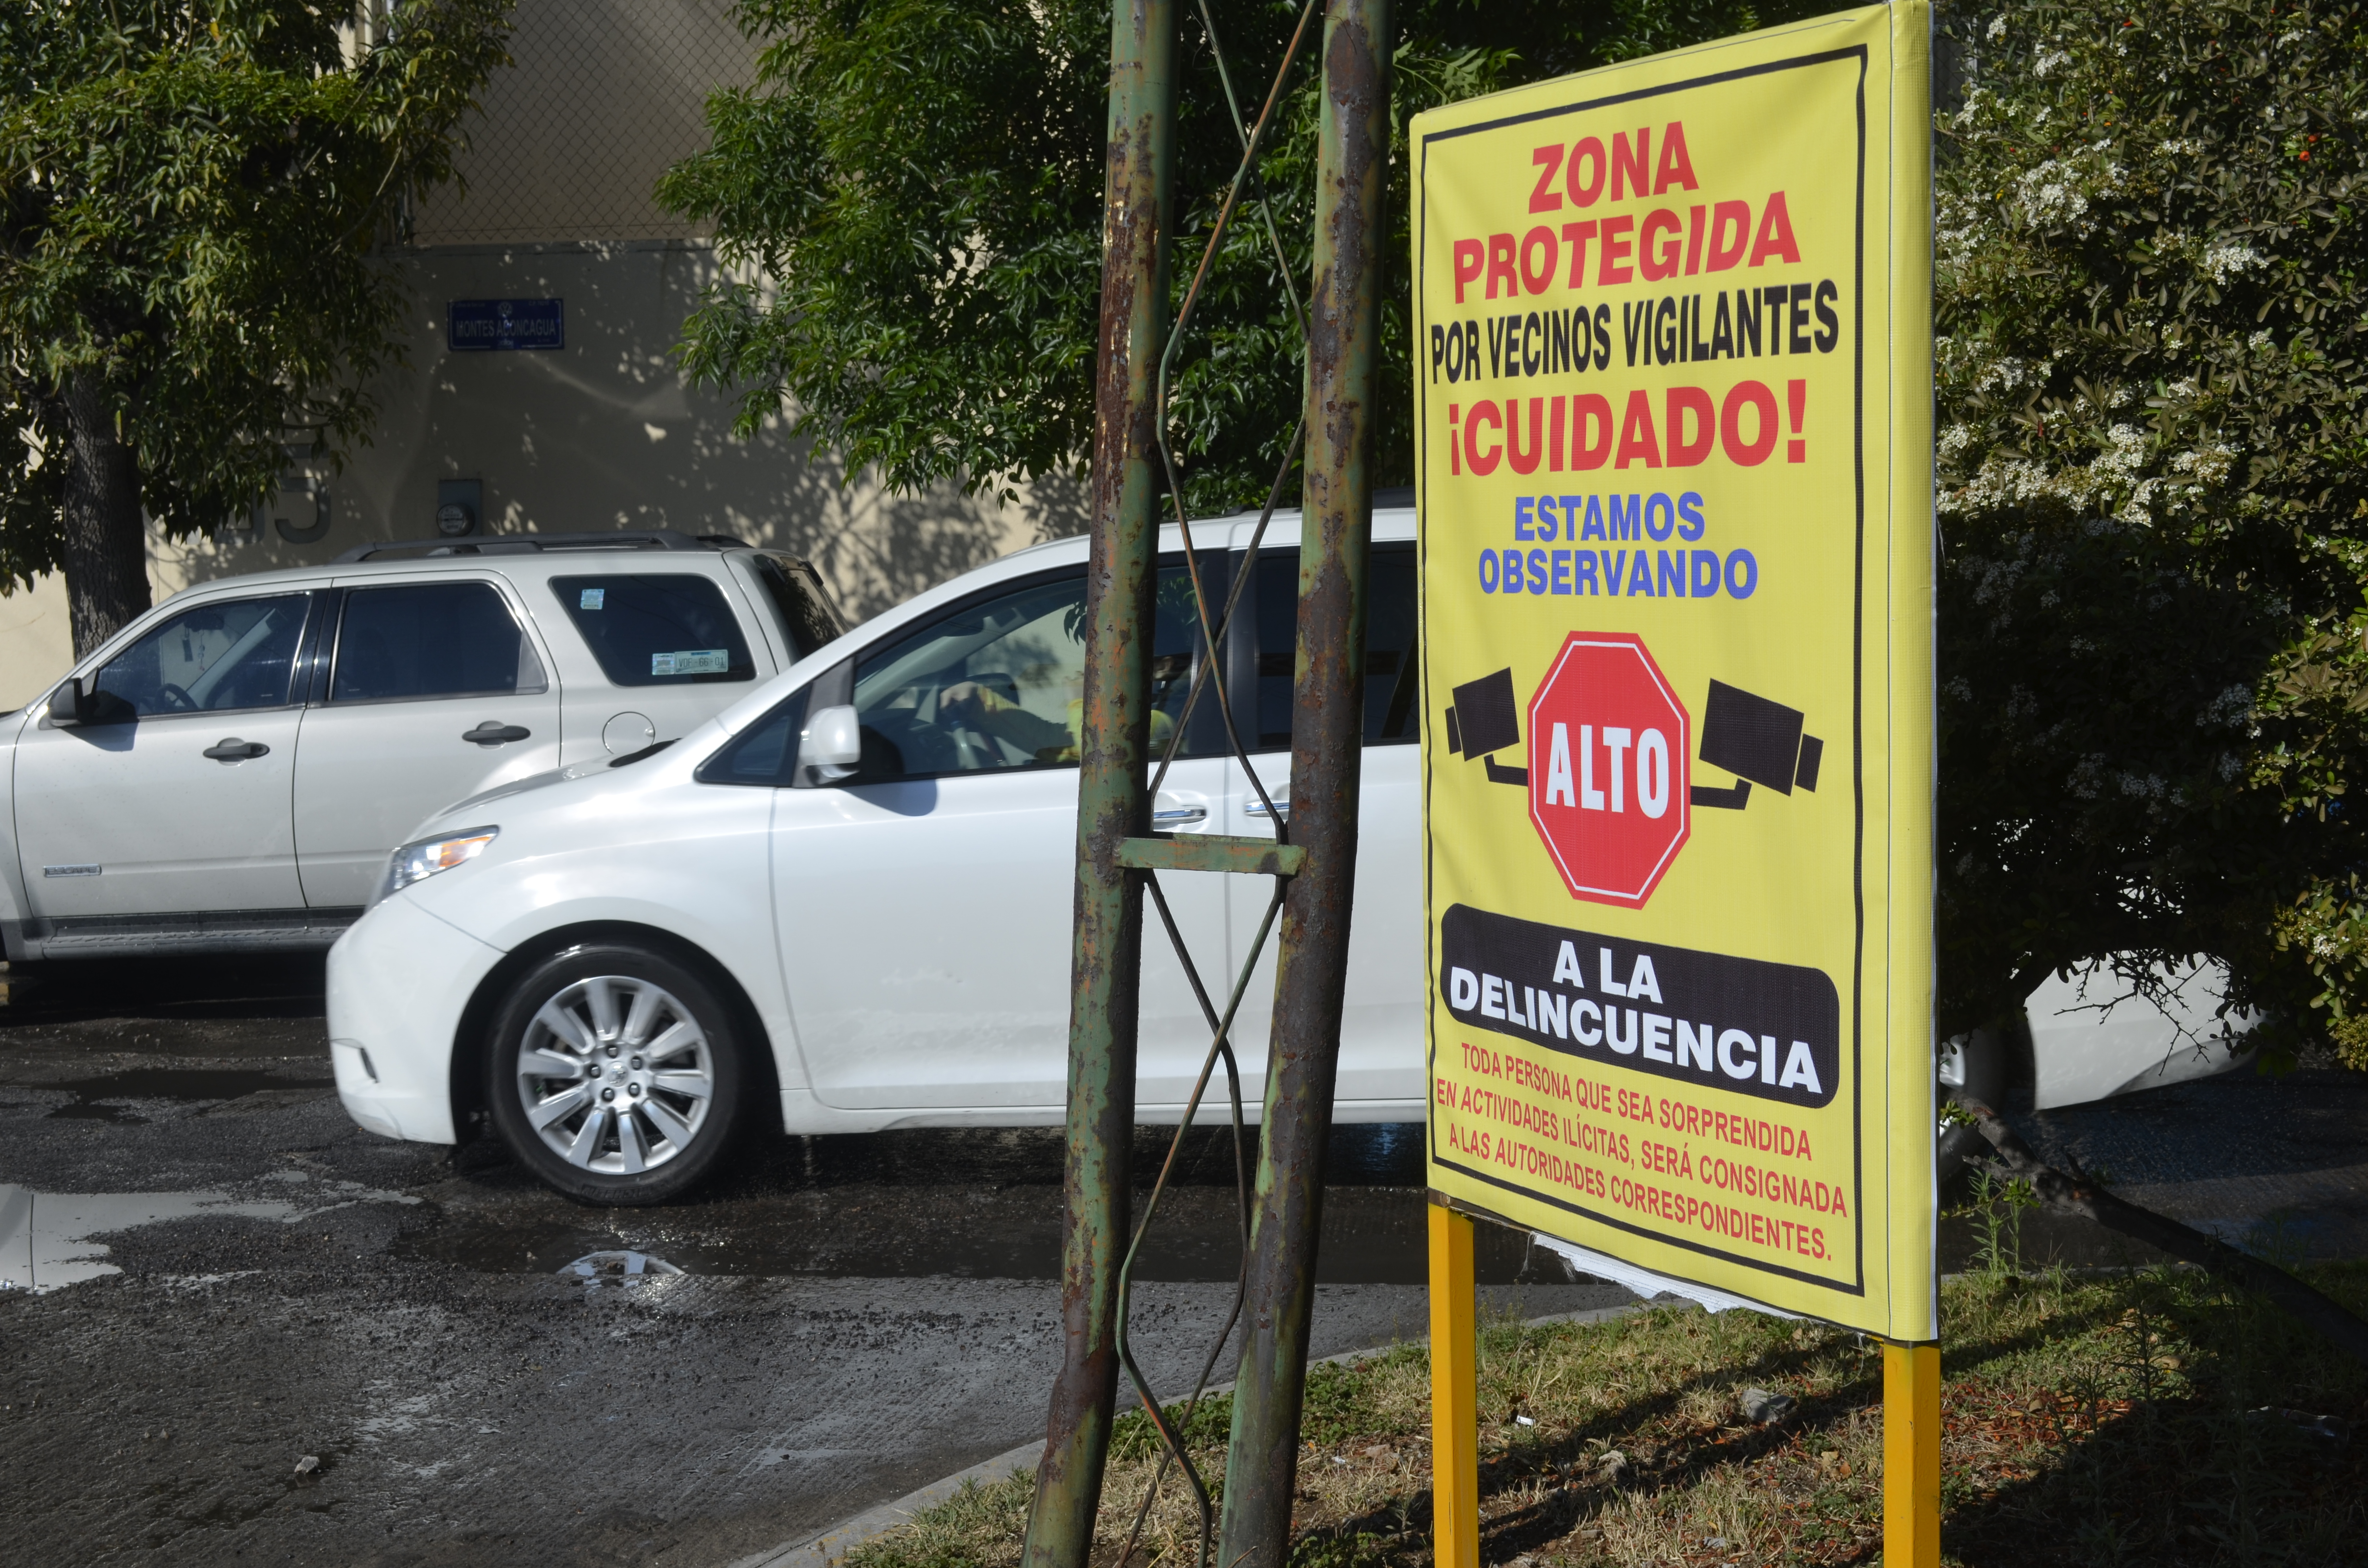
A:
(1327, 739)
(1113, 753)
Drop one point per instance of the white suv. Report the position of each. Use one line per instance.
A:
(230, 771)
(619, 969)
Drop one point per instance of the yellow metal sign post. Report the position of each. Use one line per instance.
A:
(1454, 1393)
(1673, 395)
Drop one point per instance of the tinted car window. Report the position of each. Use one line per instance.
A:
(1000, 683)
(430, 640)
(1390, 676)
(764, 753)
(658, 628)
(214, 657)
(806, 611)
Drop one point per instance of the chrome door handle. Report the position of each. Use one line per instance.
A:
(1179, 816)
(236, 750)
(492, 733)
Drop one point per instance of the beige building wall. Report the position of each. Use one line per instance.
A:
(603, 433)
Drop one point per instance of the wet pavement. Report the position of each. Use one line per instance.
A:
(216, 1276)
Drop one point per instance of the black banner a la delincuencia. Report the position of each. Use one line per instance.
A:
(1767, 1029)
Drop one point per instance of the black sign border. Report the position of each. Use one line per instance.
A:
(1857, 1286)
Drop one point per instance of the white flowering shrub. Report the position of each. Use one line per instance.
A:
(2151, 315)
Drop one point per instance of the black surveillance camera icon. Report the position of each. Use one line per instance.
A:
(1758, 741)
(1486, 718)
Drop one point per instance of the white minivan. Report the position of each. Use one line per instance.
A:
(230, 771)
(628, 959)
(847, 901)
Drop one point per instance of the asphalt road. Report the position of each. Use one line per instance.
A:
(230, 1277)
(226, 1277)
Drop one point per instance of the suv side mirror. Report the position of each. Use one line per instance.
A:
(70, 704)
(832, 745)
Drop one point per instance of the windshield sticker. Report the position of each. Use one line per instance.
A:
(693, 661)
(593, 598)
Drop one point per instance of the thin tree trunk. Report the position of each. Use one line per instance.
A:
(106, 540)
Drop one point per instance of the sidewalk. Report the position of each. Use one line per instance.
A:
(2276, 1165)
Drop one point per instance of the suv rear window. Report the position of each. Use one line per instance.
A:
(797, 592)
(658, 628)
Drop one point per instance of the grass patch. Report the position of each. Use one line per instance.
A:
(2085, 1422)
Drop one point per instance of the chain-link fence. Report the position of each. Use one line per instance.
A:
(569, 140)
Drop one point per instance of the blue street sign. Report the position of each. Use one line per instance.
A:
(504, 323)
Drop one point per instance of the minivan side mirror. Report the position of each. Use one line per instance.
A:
(70, 704)
(832, 745)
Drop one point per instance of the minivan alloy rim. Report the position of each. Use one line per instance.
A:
(615, 1075)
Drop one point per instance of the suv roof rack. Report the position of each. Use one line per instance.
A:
(532, 544)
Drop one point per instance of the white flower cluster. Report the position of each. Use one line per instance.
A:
(2087, 775)
(2113, 487)
(2119, 471)
(2209, 464)
(2004, 481)
(2224, 259)
(2007, 373)
(2124, 455)
(2052, 195)
(2049, 195)
(2234, 706)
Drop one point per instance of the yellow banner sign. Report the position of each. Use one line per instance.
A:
(1673, 384)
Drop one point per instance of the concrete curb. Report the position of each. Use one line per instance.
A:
(826, 1548)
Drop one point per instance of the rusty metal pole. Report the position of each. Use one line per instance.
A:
(1327, 737)
(1113, 753)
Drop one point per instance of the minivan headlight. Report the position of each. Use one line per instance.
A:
(416, 862)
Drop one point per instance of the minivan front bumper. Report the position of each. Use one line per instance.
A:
(399, 980)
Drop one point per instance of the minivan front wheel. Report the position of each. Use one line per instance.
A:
(615, 1075)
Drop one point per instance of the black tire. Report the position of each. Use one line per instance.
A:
(1978, 1075)
(664, 1118)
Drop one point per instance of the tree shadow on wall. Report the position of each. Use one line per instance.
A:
(606, 434)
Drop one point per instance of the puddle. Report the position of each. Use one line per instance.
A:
(1370, 1236)
(974, 1203)
(598, 1269)
(111, 1098)
(979, 1203)
(45, 1237)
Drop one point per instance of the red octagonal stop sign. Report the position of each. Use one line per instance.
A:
(1609, 742)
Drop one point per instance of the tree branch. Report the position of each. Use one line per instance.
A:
(2075, 1194)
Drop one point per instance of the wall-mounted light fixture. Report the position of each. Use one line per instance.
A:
(459, 506)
